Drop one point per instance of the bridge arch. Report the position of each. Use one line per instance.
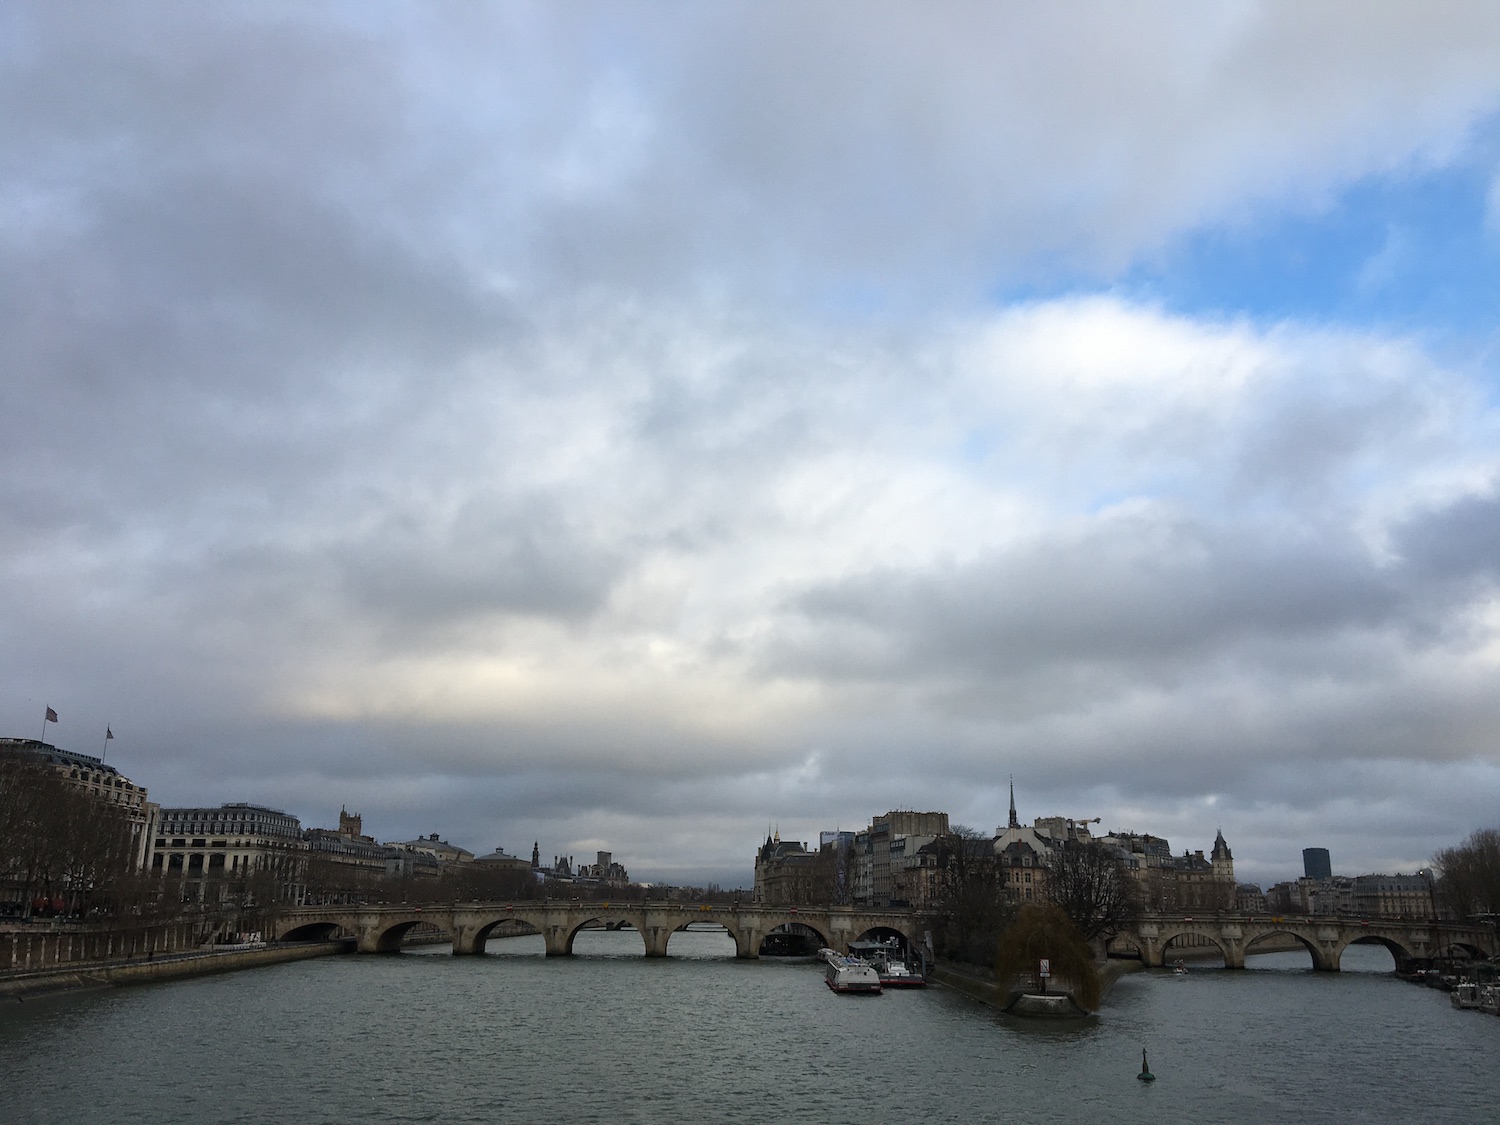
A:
(388, 940)
(482, 932)
(1168, 936)
(882, 931)
(720, 927)
(1401, 955)
(314, 931)
(1461, 950)
(1320, 959)
(792, 930)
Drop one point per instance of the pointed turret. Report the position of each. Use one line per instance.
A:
(1223, 860)
(1221, 849)
(1015, 821)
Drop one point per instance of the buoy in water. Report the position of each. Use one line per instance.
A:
(1145, 1075)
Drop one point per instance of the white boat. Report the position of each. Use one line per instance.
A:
(1179, 969)
(1465, 995)
(895, 973)
(850, 974)
(888, 964)
(1473, 995)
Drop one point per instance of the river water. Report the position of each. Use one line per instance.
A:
(609, 1036)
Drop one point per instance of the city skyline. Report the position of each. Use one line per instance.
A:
(812, 840)
(647, 426)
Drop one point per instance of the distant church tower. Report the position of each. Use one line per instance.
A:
(536, 855)
(1015, 821)
(1223, 859)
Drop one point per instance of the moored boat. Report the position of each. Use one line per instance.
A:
(851, 975)
(1465, 995)
(895, 973)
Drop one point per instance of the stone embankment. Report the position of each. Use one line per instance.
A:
(169, 966)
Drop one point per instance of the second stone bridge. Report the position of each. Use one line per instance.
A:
(381, 928)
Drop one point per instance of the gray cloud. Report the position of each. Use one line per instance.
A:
(590, 424)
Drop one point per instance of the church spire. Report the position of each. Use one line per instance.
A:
(1014, 820)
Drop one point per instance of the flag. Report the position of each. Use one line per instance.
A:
(51, 716)
(108, 734)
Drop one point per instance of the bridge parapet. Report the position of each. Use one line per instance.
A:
(379, 928)
(1324, 937)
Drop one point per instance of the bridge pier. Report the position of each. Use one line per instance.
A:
(1325, 949)
(559, 939)
(656, 938)
(466, 941)
(1232, 942)
(747, 941)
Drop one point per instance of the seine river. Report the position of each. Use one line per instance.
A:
(609, 1036)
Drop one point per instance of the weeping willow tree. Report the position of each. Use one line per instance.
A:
(1047, 933)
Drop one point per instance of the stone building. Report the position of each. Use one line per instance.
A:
(436, 848)
(1190, 882)
(345, 865)
(604, 871)
(99, 780)
(1394, 896)
(1364, 896)
(1023, 853)
(787, 874)
(219, 851)
(500, 860)
(891, 842)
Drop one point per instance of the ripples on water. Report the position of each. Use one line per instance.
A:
(610, 1036)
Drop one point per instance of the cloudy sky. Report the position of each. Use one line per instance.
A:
(635, 425)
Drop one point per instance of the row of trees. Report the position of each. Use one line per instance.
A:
(62, 851)
(1468, 883)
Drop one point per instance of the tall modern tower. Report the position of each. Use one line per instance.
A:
(1315, 863)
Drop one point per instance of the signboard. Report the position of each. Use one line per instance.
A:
(1046, 970)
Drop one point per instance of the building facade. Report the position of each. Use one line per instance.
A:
(99, 780)
(231, 849)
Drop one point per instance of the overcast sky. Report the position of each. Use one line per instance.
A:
(634, 426)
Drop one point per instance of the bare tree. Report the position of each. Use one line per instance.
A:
(971, 904)
(61, 849)
(1469, 875)
(1090, 884)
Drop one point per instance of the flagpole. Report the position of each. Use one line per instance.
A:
(108, 734)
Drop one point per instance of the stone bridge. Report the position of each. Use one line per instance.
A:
(1324, 936)
(381, 928)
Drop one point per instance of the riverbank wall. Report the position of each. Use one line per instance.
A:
(173, 966)
(56, 945)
